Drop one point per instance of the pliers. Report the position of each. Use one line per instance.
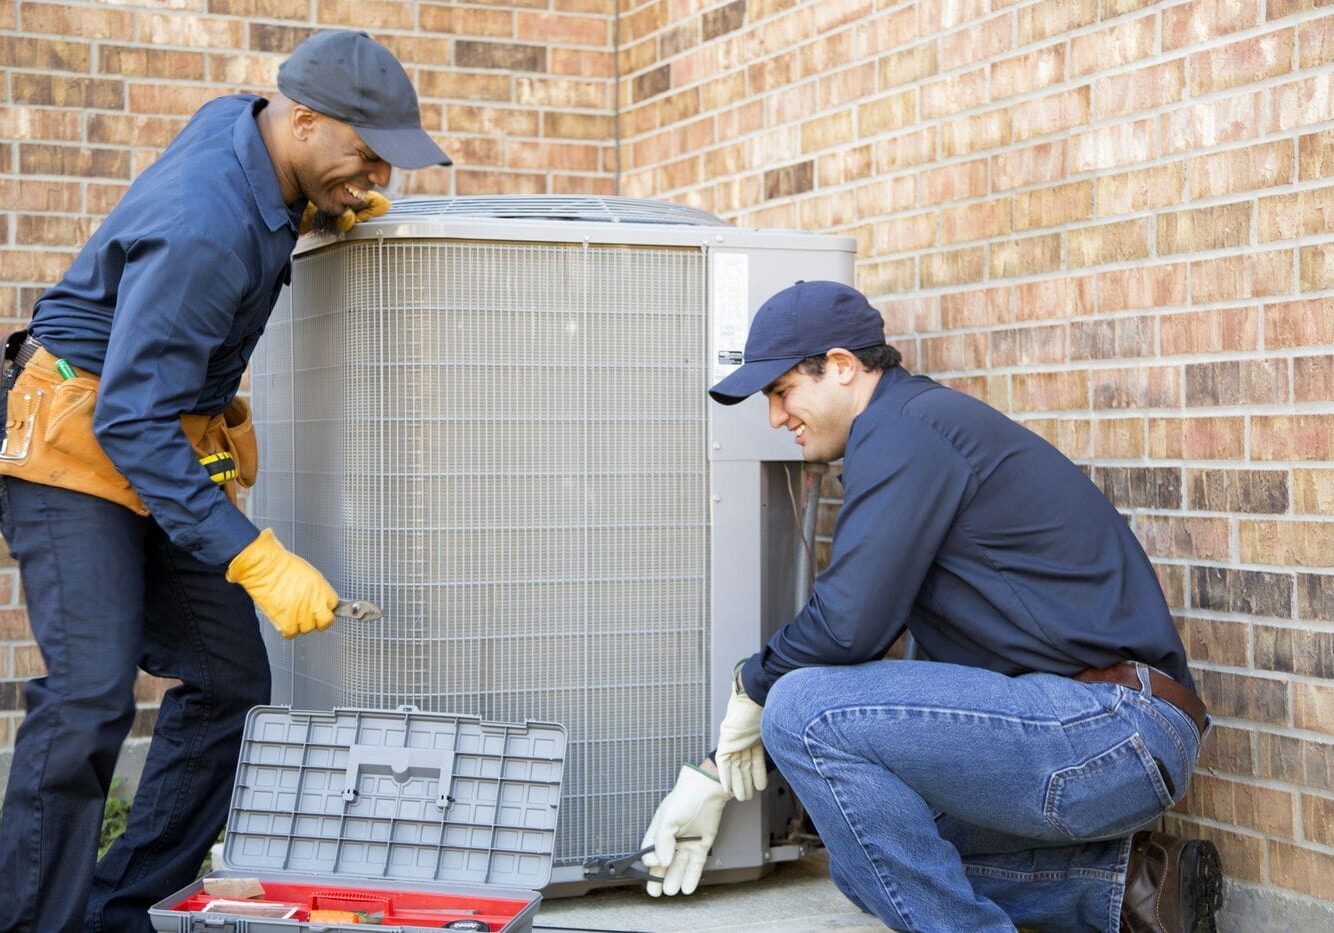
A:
(614, 869)
(359, 610)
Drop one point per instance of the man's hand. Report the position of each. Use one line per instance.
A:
(376, 205)
(693, 808)
(293, 594)
(740, 754)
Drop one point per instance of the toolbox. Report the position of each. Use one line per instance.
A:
(411, 820)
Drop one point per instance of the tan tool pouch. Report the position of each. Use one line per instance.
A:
(49, 436)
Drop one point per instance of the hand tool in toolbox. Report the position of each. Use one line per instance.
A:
(410, 819)
(614, 869)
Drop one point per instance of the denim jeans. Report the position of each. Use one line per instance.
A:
(953, 798)
(106, 592)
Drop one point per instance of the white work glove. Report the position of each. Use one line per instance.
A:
(740, 755)
(693, 808)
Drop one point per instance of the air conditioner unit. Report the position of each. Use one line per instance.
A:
(488, 415)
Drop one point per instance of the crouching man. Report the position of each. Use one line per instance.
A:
(1009, 779)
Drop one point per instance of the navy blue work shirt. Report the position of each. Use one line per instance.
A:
(166, 301)
(981, 539)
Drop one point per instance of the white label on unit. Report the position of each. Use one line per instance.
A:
(731, 314)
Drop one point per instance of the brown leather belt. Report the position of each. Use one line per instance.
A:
(1127, 675)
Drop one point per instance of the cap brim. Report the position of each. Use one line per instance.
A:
(749, 379)
(404, 147)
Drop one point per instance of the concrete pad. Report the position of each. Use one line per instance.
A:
(796, 897)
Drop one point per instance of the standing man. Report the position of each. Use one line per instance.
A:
(117, 479)
(1005, 780)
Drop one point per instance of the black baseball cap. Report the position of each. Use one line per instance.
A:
(805, 319)
(347, 75)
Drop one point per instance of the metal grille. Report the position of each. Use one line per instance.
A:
(554, 207)
(504, 446)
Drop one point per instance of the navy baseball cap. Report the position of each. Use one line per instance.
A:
(347, 75)
(806, 319)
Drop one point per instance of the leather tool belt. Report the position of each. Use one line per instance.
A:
(49, 438)
(1126, 674)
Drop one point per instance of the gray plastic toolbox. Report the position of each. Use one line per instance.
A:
(413, 818)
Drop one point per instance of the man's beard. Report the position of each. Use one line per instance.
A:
(324, 223)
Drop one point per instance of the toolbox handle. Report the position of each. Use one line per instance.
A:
(402, 765)
(212, 925)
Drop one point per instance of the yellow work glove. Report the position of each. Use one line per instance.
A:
(293, 594)
(376, 204)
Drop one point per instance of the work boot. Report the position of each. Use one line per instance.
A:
(1173, 885)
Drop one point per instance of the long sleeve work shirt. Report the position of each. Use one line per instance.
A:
(166, 302)
(980, 538)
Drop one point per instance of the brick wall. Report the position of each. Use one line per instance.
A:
(520, 93)
(1114, 220)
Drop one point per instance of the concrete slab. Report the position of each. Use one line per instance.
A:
(796, 897)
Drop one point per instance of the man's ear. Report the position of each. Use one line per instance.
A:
(843, 363)
(303, 121)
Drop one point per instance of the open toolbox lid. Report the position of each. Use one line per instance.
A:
(402, 795)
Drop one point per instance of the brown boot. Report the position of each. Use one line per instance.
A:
(1173, 885)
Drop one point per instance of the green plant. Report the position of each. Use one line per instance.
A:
(114, 815)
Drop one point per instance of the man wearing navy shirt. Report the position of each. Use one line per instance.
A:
(117, 479)
(1002, 781)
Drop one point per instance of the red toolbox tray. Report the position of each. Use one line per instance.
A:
(411, 820)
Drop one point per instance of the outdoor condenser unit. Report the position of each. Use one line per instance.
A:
(488, 415)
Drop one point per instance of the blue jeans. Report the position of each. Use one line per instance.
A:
(108, 592)
(953, 798)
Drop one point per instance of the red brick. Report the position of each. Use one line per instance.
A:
(66, 91)
(1054, 17)
(1141, 189)
(937, 17)
(90, 22)
(976, 308)
(1292, 437)
(953, 268)
(890, 112)
(1218, 438)
(1244, 804)
(1315, 41)
(1313, 379)
(1245, 62)
(1305, 213)
(1144, 287)
(1018, 168)
(1146, 89)
(1042, 68)
(65, 197)
(1302, 103)
(1301, 544)
(1050, 114)
(1054, 298)
(1237, 382)
(1028, 346)
(1211, 124)
(1053, 391)
(953, 94)
(905, 151)
(1046, 207)
(1214, 331)
(1191, 23)
(883, 32)
(1300, 323)
(562, 29)
(1111, 146)
(980, 220)
(172, 99)
(1246, 275)
(955, 182)
(904, 233)
(1110, 48)
(980, 131)
(890, 277)
(981, 42)
(1204, 229)
(1136, 387)
(911, 315)
(39, 123)
(1317, 266)
(1313, 706)
(1104, 339)
(843, 86)
(1315, 155)
(1265, 166)
(1313, 492)
(1118, 242)
(954, 352)
(1027, 256)
(192, 30)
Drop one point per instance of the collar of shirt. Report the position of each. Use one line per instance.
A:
(259, 171)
